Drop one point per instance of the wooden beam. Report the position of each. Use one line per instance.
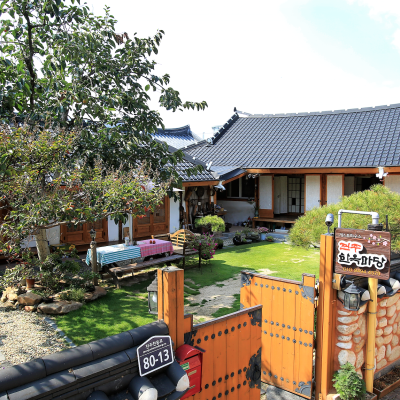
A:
(234, 178)
(296, 171)
(200, 183)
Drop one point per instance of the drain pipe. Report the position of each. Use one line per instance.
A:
(372, 305)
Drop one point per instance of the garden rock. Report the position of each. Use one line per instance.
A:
(29, 299)
(11, 294)
(59, 307)
(31, 308)
(98, 292)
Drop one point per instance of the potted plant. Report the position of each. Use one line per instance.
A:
(205, 244)
(30, 277)
(211, 223)
(237, 239)
(263, 232)
(270, 239)
(348, 384)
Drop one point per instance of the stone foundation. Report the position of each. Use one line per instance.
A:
(352, 333)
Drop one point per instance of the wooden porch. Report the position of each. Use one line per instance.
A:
(279, 220)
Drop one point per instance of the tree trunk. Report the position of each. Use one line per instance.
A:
(42, 245)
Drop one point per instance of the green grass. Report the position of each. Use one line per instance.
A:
(285, 261)
(227, 310)
(122, 309)
(108, 315)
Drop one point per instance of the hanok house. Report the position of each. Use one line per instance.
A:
(197, 194)
(295, 162)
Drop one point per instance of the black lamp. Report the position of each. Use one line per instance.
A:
(152, 296)
(92, 234)
(352, 295)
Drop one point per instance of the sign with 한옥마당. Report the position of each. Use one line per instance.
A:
(155, 353)
(362, 253)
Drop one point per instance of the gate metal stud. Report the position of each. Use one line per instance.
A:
(232, 374)
(283, 337)
(232, 389)
(278, 288)
(265, 332)
(226, 331)
(244, 369)
(284, 289)
(266, 321)
(240, 371)
(244, 383)
(290, 290)
(297, 292)
(214, 383)
(288, 338)
(275, 376)
(294, 328)
(283, 325)
(198, 341)
(238, 386)
(272, 322)
(272, 287)
(256, 284)
(294, 341)
(219, 333)
(207, 386)
(226, 392)
(219, 380)
(232, 329)
(245, 323)
(305, 344)
(266, 286)
(213, 336)
(265, 372)
(282, 379)
(206, 338)
(271, 334)
(226, 377)
(301, 342)
(305, 331)
(214, 398)
(310, 344)
(301, 330)
(310, 333)
(294, 382)
(288, 326)
(239, 326)
(261, 285)
(287, 380)
(277, 335)
(270, 373)
(219, 395)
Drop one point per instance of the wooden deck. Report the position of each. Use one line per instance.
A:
(281, 219)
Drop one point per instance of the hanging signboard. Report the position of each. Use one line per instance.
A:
(362, 253)
(155, 353)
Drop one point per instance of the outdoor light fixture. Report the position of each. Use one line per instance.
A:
(152, 296)
(220, 186)
(353, 297)
(92, 234)
(329, 221)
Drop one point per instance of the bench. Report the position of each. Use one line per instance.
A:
(115, 270)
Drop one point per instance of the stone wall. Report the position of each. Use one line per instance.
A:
(351, 334)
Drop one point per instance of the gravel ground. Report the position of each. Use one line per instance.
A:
(25, 336)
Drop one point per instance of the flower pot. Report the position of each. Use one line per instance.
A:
(237, 241)
(263, 236)
(30, 283)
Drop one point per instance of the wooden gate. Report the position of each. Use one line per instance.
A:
(232, 355)
(287, 338)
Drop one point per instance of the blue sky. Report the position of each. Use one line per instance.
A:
(270, 56)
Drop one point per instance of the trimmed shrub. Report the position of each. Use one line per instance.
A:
(308, 228)
(216, 223)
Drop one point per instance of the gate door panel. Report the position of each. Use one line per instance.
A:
(287, 338)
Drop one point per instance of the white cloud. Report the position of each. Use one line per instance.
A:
(385, 11)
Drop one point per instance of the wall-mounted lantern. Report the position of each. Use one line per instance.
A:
(152, 296)
(352, 296)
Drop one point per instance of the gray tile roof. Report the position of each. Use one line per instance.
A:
(177, 137)
(346, 138)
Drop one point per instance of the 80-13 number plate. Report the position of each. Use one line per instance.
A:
(154, 353)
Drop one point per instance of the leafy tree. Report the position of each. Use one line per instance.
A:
(43, 185)
(61, 64)
(308, 229)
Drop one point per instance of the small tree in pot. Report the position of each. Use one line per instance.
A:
(211, 223)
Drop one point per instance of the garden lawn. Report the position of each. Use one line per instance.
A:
(119, 311)
(126, 308)
(285, 261)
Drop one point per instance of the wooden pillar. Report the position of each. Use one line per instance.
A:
(93, 247)
(370, 356)
(325, 320)
(170, 302)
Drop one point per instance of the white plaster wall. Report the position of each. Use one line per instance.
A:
(265, 192)
(312, 191)
(173, 215)
(53, 237)
(349, 185)
(393, 182)
(334, 188)
(237, 211)
(112, 230)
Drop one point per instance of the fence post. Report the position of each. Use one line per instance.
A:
(325, 320)
(170, 302)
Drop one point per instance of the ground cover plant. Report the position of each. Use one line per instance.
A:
(308, 228)
(121, 310)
